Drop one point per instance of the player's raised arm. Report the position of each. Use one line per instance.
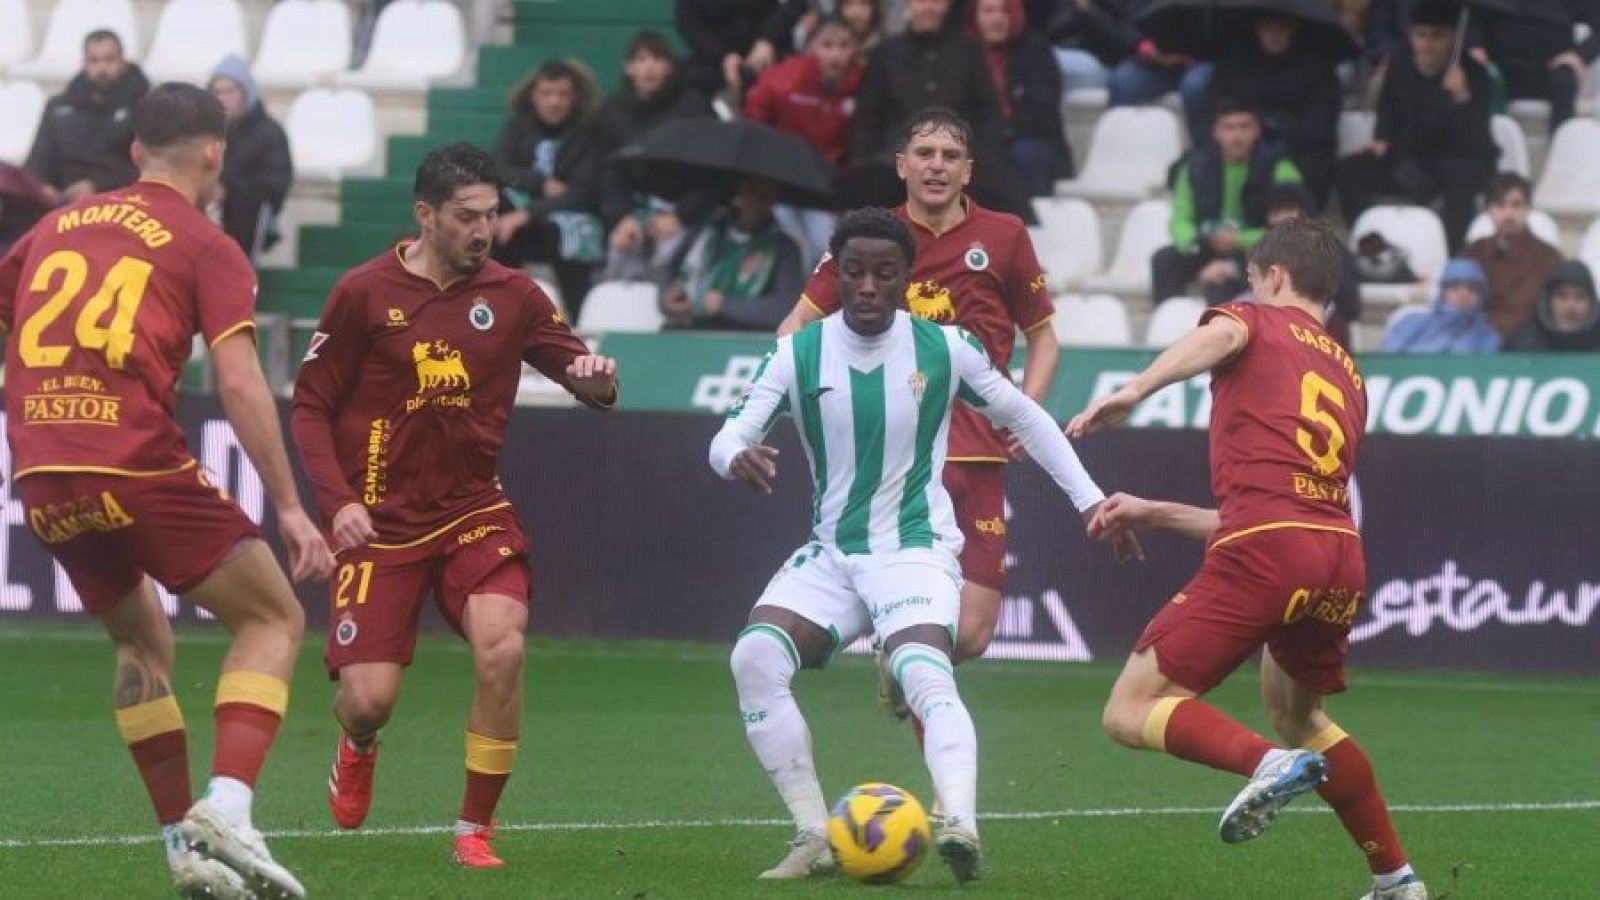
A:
(1217, 340)
(564, 358)
(736, 451)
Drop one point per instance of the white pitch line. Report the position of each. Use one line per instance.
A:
(123, 840)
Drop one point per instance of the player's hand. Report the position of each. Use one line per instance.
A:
(1573, 61)
(309, 556)
(757, 466)
(712, 302)
(352, 527)
(593, 376)
(1107, 412)
(1114, 519)
(1014, 448)
(1455, 84)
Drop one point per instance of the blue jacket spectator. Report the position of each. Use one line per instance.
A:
(1457, 324)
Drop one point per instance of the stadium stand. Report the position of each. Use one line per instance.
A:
(1513, 145)
(303, 43)
(1143, 233)
(1094, 321)
(1067, 240)
(621, 306)
(415, 43)
(1172, 320)
(192, 36)
(61, 54)
(1128, 159)
(1418, 232)
(1570, 184)
(331, 131)
(16, 39)
(1541, 223)
(21, 106)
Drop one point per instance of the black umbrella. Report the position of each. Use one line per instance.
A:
(704, 154)
(1210, 29)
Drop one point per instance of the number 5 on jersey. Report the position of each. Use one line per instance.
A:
(124, 284)
(1313, 390)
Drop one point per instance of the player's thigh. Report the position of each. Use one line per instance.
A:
(374, 601)
(188, 533)
(810, 597)
(1326, 589)
(909, 589)
(248, 587)
(138, 624)
(84, 523)
(978, 500)
(1295, 710)
(484, 584)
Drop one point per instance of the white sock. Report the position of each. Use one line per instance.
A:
(950, 743)
(1269, 760)
(233, 797)
(764, 662)
(173, 843)
(1390, 879)
(464, 828)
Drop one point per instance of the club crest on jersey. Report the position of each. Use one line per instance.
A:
(977, 258)
(918, 382)
(481, 316)
(345, 632)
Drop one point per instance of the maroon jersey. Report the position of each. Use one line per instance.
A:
(981, 275)
(101, 302)
(1287, 417)
(402, 401)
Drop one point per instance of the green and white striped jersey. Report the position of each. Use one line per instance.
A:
(874, 415)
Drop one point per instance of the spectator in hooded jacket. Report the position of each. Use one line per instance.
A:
(1456, 324)
(550, 165)
(84, 136)
(1027, 82)
(1433, 139)
(257, 169)
(1091, 38)
(1515, 260)
(1568, 316)
(1540, 60)
(733, 41)
(738, 272)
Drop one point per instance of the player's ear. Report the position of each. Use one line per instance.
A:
(423, 213)
(136, 153)
(900, 165)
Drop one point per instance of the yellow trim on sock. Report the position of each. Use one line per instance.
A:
(148, 719)
(490, 756)
(1155, 727)
(1326, 739)
(255, 688)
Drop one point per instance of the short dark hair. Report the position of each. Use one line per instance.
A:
(1436, 13)
(1290, 196)
(831, 20)
(103, 34)
(176, 112)
(930, 119)
(873, 222)
(1309, 250)
(651, 41)
(447, 169)
(1503, 184)
(1232, 105)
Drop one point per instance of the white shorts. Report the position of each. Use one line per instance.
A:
(885, 593)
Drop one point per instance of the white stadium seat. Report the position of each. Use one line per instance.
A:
(1589, 251)
(1067, 240)
(21, 106)
(1513, 145)
(16, 39)
(331, 132)
(414, 42)
(304, 43)
(61, 55)
(1143, 233)
(1128, 159)
(1098, 321)
(1356, 130)
(192, 36)
(1539, 222)
(621, 306)
(1571, 181)
(1172, 320)
(1418, 232)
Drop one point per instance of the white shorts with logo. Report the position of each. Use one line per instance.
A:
(851, 595)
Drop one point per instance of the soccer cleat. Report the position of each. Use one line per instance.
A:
(890, 695)
(959, 847)
(1410, 889)
(241, 849)
(1269, 791)
(473, 851)
(196, 877)
(809, 855)
(350, 784)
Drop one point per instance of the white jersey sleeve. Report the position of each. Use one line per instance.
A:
(988, 391)
(758, 410)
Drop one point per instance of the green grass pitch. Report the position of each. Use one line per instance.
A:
(635, 781)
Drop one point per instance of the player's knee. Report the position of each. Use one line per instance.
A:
(365, 707)
(1122, 723)
(499, 658)
(756, 663)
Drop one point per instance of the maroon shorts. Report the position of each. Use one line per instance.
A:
(978, 495)
(377, 591)
(109, 531)
(1294, 590)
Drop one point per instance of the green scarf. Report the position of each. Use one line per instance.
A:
(731, 262)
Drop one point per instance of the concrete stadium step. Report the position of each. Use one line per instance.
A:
(345, 246)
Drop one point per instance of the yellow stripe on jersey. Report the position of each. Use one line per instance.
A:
(230, 332)
(806, 299)
(1039, 324)
(441, 529)
(105, 470)
(1274, 526)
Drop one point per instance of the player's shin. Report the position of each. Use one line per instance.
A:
(1196, 731)
(489, 764)
(249, 708)
(1352, 791)
(950, 742)
(764, 663)
(155, 735)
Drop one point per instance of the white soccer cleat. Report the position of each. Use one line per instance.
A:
(196, 877)
(809, 856)
(1273, 786)
(241, 849)
(890, 695)
(1410, 889)
(959, 847)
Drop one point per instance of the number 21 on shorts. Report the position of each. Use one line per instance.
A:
(360, 574)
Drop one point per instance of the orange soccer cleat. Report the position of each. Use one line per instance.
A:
(473, 850)
(350, 784)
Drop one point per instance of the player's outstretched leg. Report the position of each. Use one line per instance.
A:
(919, 659)
(1351, 788)
(152, 726)
(251, 596)
(764, 661)
(362, 706)
(496, 627)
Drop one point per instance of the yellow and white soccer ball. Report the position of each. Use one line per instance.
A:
(879, 833)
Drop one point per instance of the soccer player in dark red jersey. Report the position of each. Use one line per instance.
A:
(974, 268)
(399, 412)
(101, 302)
(1284, 566)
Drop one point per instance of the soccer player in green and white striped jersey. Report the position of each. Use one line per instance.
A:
(871, 393)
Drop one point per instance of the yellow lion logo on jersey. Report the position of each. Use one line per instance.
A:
(439, 366)
(930, 300)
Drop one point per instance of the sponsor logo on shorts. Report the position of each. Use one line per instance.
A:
(1335, 606)
(345, 632)
(61, 522)
(894, 606)
(473, 535)
(995, 525)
